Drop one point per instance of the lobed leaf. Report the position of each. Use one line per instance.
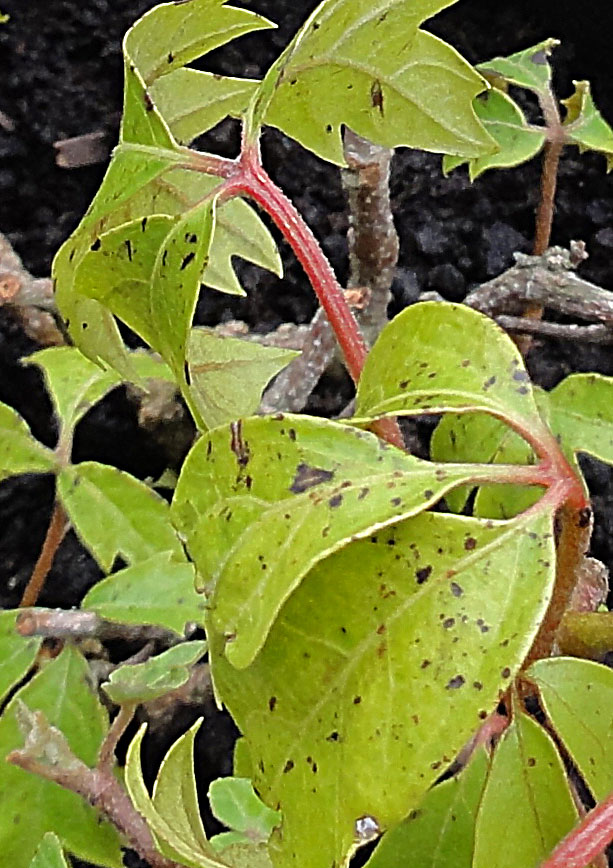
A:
(420, 364)
(159, 590)
(49, 853)
(228, 375)
(369, 67)
(505, 122)
(234, 803)
(17, 653)
(20, 452)
(31, 806)
(379, 668)
(529, 68)
(527, 806)
(115, 514)
(441, 831)
(584, 124)
(262, 502)
(134, 683)
(577, 695)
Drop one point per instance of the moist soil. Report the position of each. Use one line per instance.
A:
(62, 77)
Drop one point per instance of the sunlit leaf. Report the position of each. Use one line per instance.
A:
(505, 122)
(578, 697)
(235, 804)
(584, 124)
(228, 375)
(157, 591)
(142, 682)
(30, 806)
(369, 67)
(581, 409)
(527, 806)
(529, 68)
(262, 502)
(17, 653)
(115, 514)
(19, 451)
(379, 668)
(441, 832)
(49, 853)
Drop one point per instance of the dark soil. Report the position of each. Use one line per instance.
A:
(61, 77)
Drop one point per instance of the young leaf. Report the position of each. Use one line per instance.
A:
(441, 831)
(529, 68)
(228, 375)
(235, 804)
(527, 806)
(142, 682)
(156, 591)
(116, 515)
(584, 124)
(168, 842)
(379, 668)
(49, 853)
(578, 696)
(19, 451)
(369, 67)
(192, 102)
(74, 382)
(505, 122)
(30, 806)
(420, 363)
(16, 653)
(581, 414)
(262, 503)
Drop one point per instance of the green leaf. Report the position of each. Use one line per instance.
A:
(527, 806)
(581, 415)
(577, 695)
(156, 591)
(260, 504)
(436, 356)
(441, 832)
(115, 514)
(228, 375)
(17, 653)
(74, 382)
(192, 102)
(379, 668)
(240, 855)
(30, 806)
(142, 682)
(19, 451)
(369, 67)
(49, 853)
(479, 438)
(584, 124)
(173, 34)
(529, 68)
(168, 841)
(505, 122)
(235, 804)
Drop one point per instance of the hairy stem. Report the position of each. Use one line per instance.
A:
(55, 534)
(586, 841)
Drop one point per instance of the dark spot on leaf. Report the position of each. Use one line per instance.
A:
(585, 516)
(448, 622)
(489, 383)
(191, 237)
(482, 714)
(335, 500)
(128, 246)
(456, 590)
(272, 702)
(403, 384)
(523, 390)
(95, 246)
(316, 25)
(435, 766)
(357, 700)
(170, 57)
(531, 762)
(307, 477)
(148, 102)
(506, 672)
(466, 362)
(477, 685)
(470, 543)
(209, 448)
(187, 259)
(520, 376)
(428, 493)
(539, 58)
(292, 435)
(414, 815)
(289, 765)
(381, 649)
(455, 682)
(239, 446)
(363, 493)
(334, 736)
(425, 664)
(143, 224)
(164, 258)
(328, 128)
(423, 574)
(381, 629)
(84, 326)
(376, 95)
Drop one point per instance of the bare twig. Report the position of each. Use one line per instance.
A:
(593, 334)
(78, 624)
(106, 754)
(58, 526)
(84, 150)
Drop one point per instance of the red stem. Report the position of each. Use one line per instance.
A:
(586, 841)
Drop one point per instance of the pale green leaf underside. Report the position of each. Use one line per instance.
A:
(529, 68)
(578, 697)
(157, 591)
(421, 362)
(589, 130)
(49, 853)
(505, 122)
(16, 652)
(527, 807)
(368, 66)
(581, 414)
(115, 514)
(234, 803)
(141, 682)
(378, 669)
(30, 806)
(228, 375)
(441, 832)
(19, 451)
